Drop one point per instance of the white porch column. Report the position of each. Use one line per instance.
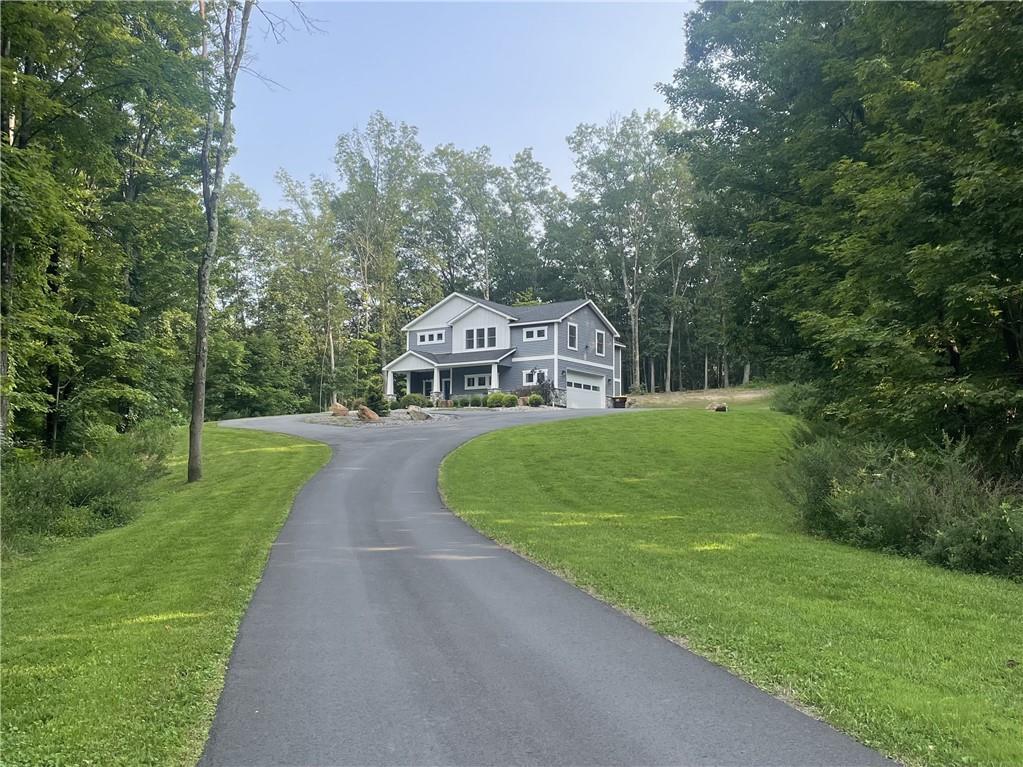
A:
(436, 383)
(495, 383)
(408, 383)
(389, 385)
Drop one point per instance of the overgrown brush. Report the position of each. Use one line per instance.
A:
(938, 504)
(80, 494)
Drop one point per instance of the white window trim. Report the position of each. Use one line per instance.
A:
(486, 336)
(602, 336)
(421, 335)
(535, 331)
(476, 377)
(568, 338)
(533, 370)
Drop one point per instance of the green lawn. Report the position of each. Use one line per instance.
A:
(675, 517)
(114, 647)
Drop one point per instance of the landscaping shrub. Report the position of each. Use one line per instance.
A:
(418, 400)
(495, 399)
(510, 400)
(535, 400)
(937, 504)
(77, 495)
(377, 402)
(476, 400)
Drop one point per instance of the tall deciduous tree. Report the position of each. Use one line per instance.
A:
(627, 201)
(232, 26)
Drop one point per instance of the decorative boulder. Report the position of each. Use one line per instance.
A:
(416, 413)
(718, 407)
(365, 414)
(338, 409)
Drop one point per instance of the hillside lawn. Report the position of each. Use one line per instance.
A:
(675, 517)
(115, 647)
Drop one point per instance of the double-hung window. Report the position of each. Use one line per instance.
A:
(598, 343)
(481, 381)
(480, 338)
(573, 336)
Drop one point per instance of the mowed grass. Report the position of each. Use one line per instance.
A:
(675, 516)
(115, 647)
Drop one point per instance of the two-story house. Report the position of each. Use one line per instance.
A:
(463, 346)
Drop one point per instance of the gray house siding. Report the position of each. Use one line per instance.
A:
(539, 348)
(417, 381)
(435, 348)
(588, 323)
(511, 376)
(458, 380)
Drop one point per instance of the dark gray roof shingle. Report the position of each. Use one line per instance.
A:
(480, 355)
(534, 312)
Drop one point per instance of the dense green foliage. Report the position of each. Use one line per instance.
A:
(693, 535)
(100, 218)
(115, 646)
(75, 495)
(938, 505)
(864, 169)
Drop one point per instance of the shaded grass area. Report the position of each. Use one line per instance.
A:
(115, 647)
(675, 516)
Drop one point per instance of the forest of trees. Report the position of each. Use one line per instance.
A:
(830, 197)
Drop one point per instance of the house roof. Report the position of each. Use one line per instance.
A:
(547, 312)
(524, 315)
(460, 358)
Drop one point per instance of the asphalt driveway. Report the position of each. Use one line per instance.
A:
(386, 631)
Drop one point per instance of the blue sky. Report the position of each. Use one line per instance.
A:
(508, 75)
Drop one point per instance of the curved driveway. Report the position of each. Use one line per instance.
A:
(386, 631)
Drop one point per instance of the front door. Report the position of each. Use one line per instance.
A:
(445, 386)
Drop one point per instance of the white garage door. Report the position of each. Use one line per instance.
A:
(585, 391)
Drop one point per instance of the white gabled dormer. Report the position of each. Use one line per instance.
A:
(440, 314)
(480, 324)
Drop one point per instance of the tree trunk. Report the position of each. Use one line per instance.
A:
(650, 378)
(202, 348)
(745, 373)
(330, 344)
(637, 379)
(667, 361)
(724, 367)
(212, 184)
(706, 371)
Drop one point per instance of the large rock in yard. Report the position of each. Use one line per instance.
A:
(365, 414)
(718, 407)
(338, 410)
(416, 413)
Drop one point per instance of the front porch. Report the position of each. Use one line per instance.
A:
(444, 379)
